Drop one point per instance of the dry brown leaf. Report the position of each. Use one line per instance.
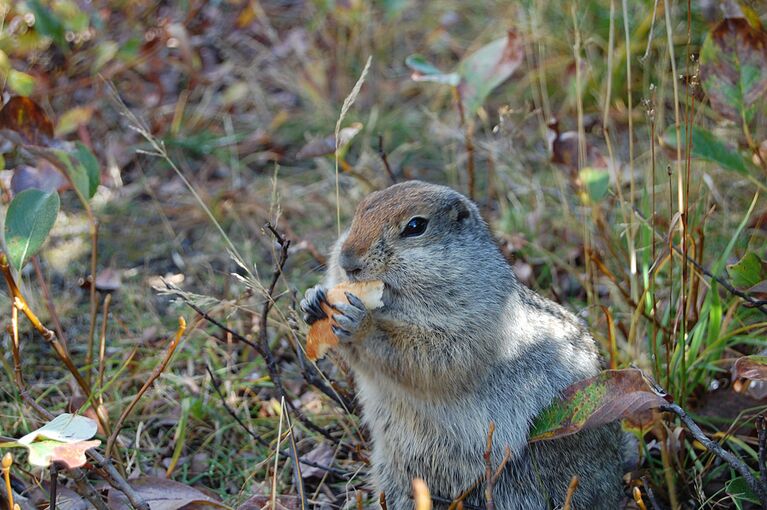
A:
(163, 494)
(27, 118)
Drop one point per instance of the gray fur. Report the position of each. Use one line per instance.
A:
(459, 343)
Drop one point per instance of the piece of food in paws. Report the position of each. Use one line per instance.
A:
(321, 337)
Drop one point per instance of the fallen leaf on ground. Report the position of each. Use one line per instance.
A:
(163, 494)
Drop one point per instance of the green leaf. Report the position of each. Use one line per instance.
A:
(734, 68)
(72, 119)
(485, 69)
(105, 52)
(423, 70)
(748, 271)
(91, 165)
(5, 64)
(707, 147)
(76, 171)
(738, 489)
(47, 24)
(609, 396)
(29, 219)
(596, 182)
(22, 84)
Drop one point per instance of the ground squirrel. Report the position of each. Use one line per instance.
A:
(459, 343)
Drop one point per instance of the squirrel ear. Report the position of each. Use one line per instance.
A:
(460, 211)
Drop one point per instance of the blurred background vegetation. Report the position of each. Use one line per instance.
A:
(621, 162)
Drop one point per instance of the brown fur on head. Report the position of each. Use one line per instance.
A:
(393, 207)
(378, 247)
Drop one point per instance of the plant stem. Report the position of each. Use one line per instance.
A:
(758, 488)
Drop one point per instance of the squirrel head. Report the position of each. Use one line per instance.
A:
(414, 235)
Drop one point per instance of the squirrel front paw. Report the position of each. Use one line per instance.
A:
(352, 319)
(312, 304)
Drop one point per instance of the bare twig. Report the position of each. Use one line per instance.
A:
(263, 337)
(48, 300)
(502, 465)
(82, 486)
(570, 492)
(54, 486)
(650, 495)
(382, 155)
(21, 304)
(117, 481)
(760, 304)
(762, 432)
(152, 378)
(489, 482)
(309, 375)
(758, 488)
(262, 441)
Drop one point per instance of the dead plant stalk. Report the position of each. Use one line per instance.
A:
(159, 369)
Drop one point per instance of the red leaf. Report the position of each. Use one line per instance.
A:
(27, 118)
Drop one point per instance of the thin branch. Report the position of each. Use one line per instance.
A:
(574, 481)
(310, 377)
(756, 487)
(48, 300)
(489, 468)
(61, 351)
(762, 432)
(382, 155)
(502, 465)
(468, 133)
(650, 495)
(83, 487)
(152, 378)
(265, 351)
(760, 304)
(217, 387)
(117, 481)
(21, 304)
(54, 486)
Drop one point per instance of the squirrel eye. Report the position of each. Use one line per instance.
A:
(415, 227)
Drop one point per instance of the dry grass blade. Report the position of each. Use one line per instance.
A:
(348, 102)
(152, 378)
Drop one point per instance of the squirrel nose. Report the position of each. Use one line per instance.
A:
(350, 263)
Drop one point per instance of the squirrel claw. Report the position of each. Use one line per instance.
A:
(354, 300)
(312, 304)
(340, 333)
(351, 317)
